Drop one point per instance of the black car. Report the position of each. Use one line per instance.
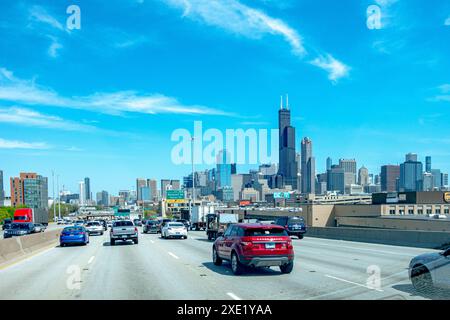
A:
(6, 223)
(150, 226)
(185, 222)
(104, 224)
(18, 229)
(295, 226)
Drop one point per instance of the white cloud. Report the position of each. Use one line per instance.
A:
(444, 95)
(14, 144)
(447, 22)
(240, 19)
(21, 91)
(39, 14)
(335, 68)
(31, 118)
(54, 47)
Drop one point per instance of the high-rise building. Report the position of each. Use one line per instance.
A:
(237, 184)
(329, 163)
(87, 189)
(411, 157)
(363, 176)
(103, 198)
(308, 167)
(427, 163)
(82, 188)
(444, 180)
(427, 181)
(287, 166)
(336, 179)
(2, 190)
(437, 182)
(29, 189)
(140, 183)
(223, 167)
(411, 177)
(268, 169)
(389, 176)
(153, 185)
(349, 166)
(165, 185)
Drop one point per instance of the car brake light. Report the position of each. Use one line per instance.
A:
(286, 226)
(135, 229)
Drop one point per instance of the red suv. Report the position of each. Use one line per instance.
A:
(255, 245)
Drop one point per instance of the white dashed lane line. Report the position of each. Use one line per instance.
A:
(173, 256)
(91, 259)
(233, 296)
(354, 283)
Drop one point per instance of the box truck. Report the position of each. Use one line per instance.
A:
(31, 215)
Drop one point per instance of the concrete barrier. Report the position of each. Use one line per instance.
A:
(410, 238)
(13, 248)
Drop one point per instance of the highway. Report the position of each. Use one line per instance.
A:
(182, 269)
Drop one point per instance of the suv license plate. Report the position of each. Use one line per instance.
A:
(124, 236)
(270, 245)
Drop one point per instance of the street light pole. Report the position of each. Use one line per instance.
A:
(59, 196)
(54, 200)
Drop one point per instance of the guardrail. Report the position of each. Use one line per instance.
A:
(16, 247)
(410, 238)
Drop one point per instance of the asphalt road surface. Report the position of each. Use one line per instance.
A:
(182, 269)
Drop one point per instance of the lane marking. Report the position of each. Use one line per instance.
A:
(354, 283)
(91, 259)
(174, 256)
(233, 296)
(152, 241)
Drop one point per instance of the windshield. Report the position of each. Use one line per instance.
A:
(72, 229)
(175, 224)
(123, 224)
(272, 232)
(20, 218)
(89, 224)
(22, 226)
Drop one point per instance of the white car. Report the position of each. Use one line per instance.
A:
(430, 270)
(174, 230)
(94, 227)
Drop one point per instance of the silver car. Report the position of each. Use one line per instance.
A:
(39, 227)
(430, 270)
(94, 227)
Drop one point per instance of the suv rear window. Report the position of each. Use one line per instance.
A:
(296, 220)
(265, 232)
(123, 224)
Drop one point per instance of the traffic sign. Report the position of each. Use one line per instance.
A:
(283, 195)
(174, 194)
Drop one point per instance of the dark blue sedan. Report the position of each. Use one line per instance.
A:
(74, 235)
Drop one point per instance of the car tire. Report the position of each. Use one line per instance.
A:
(287, 268)
(62, 245)
(185, 237)
(300, 236)
(136, 241)
(216, 259)
(112, 242)
(236, 266)
(421, 279)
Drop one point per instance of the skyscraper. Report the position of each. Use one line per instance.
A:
(2, 190)
(153, 185)
(140, 183)
(287, 166)
(411, 177)
(349, 166)
(308, 167)
(444, 180)
(363, 176)
(103, 198)
(336, 179)
(82, 188)
(437, 179)
(223, 168)
(427, 163)
(389, 176)
(329, 163)
(87, 189)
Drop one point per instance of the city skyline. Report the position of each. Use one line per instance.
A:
(63, 107)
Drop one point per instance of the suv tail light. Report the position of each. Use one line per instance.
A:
(135, 229)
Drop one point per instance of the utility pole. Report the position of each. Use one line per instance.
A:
(59, 196)
(54, 200)
(191, 202)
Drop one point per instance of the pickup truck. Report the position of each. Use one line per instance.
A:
(123, 230)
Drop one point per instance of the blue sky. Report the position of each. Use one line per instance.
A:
(103, 101)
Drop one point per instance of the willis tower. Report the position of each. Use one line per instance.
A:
(287, 162)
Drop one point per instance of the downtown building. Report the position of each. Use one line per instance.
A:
(411, 174)
(29, 189)
(2, 190)
(287, 164)
(308, 167)
(390, 175)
